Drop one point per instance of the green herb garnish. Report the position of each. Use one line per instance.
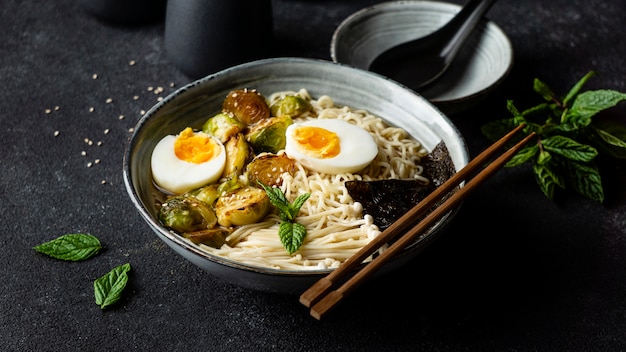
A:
(108, 288)
(569, 139)
(290, 232)
(72, 247)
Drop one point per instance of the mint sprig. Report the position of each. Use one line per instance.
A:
(571, 135)
(290, 232)
(108, 288)
(71, 247)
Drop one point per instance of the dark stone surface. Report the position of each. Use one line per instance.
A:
(514, 272)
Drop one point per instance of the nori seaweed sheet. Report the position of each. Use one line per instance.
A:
(388, 200)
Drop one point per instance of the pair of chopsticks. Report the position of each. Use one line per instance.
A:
(321, 297)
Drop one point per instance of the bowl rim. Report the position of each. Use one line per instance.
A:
(440, 102)
(174, 239)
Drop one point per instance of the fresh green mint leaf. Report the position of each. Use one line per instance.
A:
(589, 103)
(108, 288)
(525, 154)
(569, 148)
(294, 208)
(71, 247)
(609, 143)
(573, 92)
(542, 89)
(586, 180)
(291, 235)
(547, 179)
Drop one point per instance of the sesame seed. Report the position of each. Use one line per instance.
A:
(109, 100)
(106, 131)
(132, 62)
(86, 140)
(150, 89)
(83, 153)
(56, 133)
(91, 109)
(159, 98)
(131, 130)
(99, 143)
(89, 164)
(121, 117)
(94, 76)
(47, 111)
(103, 182)
(97, 161)
(136, 97)
(172, 84)
(142, 112)
(57, 108)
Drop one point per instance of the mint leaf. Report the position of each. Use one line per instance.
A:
(586, 180)
(573, 92)
(291, 233)
(527, 153)
(547, 179)
(294, 208)
(543, 90)
(589, 103)
(570, 137)
(108, 288)
(71, 247)
(569, 148)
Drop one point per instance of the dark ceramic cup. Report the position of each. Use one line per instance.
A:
(206, 36)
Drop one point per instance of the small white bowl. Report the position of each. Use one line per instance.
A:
(483, 62)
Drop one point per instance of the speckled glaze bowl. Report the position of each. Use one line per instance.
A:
(190, 105)
(481, 65)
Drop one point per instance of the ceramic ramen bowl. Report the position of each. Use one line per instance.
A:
(190, 106)
(481, 65)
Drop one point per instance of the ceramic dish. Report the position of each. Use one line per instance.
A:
(483, 62)
(190, 106)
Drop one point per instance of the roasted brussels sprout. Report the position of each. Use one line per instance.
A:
(206, 194)
(223, 126)
(243, 206)
(185, 213)
(292, 105)
(215, 237)
(246, 105)
(269, 134)
(268, 169)
(238, 154)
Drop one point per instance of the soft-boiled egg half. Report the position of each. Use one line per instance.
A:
(330, 146)
(186, 161)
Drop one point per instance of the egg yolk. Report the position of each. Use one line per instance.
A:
(317, 142)
(195, 148)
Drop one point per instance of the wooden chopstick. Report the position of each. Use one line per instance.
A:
(319, 296)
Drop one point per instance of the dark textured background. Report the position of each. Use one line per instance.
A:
(514, 272)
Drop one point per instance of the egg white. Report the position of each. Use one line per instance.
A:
(358, 147)
(179, 176)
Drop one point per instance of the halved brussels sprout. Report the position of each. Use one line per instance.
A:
(292, 105)
(238, 154)
(223, 126)
(215, 237)
(269, 135)
(268, 169)
(243, 206)
(185, 213)
(206, 194)
(246, 105)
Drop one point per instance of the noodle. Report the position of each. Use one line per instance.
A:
(336, 226)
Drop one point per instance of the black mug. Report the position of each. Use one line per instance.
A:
(206, 36)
